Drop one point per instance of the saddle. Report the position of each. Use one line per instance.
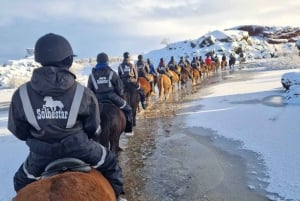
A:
(102, 102)
(65, 164)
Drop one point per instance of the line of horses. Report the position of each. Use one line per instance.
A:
(78, 186)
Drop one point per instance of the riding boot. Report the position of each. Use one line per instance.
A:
(171, 78)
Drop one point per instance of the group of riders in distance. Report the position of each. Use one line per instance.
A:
(143, 72)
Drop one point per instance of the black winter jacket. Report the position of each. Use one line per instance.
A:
(51, 91)
(106, 81)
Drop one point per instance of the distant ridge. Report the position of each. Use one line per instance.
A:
(255, 41)
(273, 35)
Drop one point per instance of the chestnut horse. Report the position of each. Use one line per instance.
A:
(69, 186)
(175, 79)
(153, 79)
(113, 124)
(145, 85)
(164, 86)
(196, 75)
(132, 97)
(204, 70)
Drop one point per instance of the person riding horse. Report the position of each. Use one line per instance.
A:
(152, 69)
(62, 133)
(143, 70)
(208, 60)
(182, 63)
(163, 69)
(128, 74)
(201, 61)
(195, 64)
(173, 65)
(232, 60)
(224, 57)
(107, 86)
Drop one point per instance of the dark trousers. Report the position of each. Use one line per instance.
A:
(122, 104)
(77, 146)
(139, 89)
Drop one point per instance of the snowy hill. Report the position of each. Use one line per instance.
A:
(256, 42)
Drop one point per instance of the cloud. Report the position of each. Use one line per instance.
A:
(129, 24)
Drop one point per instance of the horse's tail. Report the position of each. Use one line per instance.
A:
(160, 85)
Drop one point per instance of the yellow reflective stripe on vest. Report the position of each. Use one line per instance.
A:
(28, 107)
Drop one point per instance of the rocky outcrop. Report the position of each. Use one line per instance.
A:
(273, 35)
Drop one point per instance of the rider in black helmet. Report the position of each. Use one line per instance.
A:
(58, 117)
(107, 85)
(128, 73)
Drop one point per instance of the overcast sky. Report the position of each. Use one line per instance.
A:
(116, 26)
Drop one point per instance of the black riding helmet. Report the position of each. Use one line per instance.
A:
(102, 58)
(140, 57)
(52, 49)
(126, 55)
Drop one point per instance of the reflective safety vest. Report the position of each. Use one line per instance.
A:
(31, 117)
(95, 83)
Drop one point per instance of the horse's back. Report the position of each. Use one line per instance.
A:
(69, 186)
(164, 85)
(174, 75)
(113, 124)
(196, 75)
(145, 85)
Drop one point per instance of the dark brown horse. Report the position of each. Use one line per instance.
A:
(113, 124)
(69, 186)
(132, 97)
(145, 85)
(164, 86)
(184, 77)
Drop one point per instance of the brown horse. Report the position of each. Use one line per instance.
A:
(113, 124)
(132, 97)
(175, 79)
(223, 64)
(184, 77)
(212, 67)
(153, 79)
(204, 70)
(196, 76)
(218, 64)
(145, 85)
(164, 86)
(69, 186)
